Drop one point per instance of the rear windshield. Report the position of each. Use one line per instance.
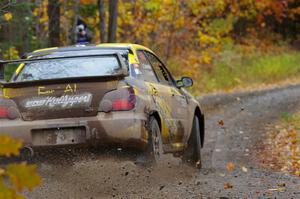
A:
(68, 68)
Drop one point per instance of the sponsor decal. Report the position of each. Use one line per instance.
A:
(164, 109)
(65, 101)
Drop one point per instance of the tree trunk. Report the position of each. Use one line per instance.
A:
(102, 24)
(113, 15)
(75, 9)
(54, 22)
(1, 72)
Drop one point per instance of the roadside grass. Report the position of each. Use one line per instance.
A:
(235, 70)
(282, 146)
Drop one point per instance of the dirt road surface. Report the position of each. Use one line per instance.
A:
(98, 173)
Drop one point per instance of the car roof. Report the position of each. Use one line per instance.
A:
(103, 46)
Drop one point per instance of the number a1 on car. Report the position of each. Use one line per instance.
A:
(70, 89)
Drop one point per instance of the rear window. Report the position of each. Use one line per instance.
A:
(68, 68)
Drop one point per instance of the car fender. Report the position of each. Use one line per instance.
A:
(195, 109)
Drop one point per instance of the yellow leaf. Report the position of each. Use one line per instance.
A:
(2, 171)
(8, 16)
(7, 192)
(23, 176)
(36, 11)
(9, 146)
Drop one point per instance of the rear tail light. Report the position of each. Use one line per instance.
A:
(8, 109)
(123, 99)
(3, 112)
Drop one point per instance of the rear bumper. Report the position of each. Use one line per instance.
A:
(127, 128)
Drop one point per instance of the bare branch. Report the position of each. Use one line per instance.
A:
(6, 5)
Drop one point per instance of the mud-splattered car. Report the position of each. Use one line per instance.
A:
(105, 94)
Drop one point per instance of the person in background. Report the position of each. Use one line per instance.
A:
(83, 35)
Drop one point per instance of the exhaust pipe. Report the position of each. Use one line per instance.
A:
(27, 152)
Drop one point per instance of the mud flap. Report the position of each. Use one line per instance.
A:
(202, 129)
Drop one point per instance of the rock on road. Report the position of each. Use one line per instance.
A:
(93, 173)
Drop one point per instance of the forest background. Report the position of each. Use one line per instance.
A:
(221, 44)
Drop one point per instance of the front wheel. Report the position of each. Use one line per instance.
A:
(192, 153)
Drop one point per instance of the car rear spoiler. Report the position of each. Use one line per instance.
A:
(123, 72)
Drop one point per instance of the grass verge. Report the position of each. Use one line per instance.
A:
(233, 70)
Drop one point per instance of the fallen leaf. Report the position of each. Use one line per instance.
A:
(221, 122)
(228, 186)
(244, 169)
(230, 166)
(277, 189)
(161, 187)
(281, 184)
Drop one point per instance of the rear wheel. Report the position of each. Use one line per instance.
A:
(192, 154)
(155, 147)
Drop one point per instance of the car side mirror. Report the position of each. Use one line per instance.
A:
(184, 82)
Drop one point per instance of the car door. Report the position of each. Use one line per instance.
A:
(159, 94)
(176, 102)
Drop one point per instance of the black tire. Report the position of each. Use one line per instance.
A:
(27, 154)
(154, 149)
(192, 153)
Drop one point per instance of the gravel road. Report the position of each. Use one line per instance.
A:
(103, 173)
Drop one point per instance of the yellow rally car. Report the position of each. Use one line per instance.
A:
(107, 93)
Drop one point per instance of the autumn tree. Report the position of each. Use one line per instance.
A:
(203, 27)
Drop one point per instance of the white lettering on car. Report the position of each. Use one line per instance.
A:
(65, 101)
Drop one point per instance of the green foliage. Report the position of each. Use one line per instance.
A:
(286, 116)
(9, 71)
(9, 54)
(292, 119)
